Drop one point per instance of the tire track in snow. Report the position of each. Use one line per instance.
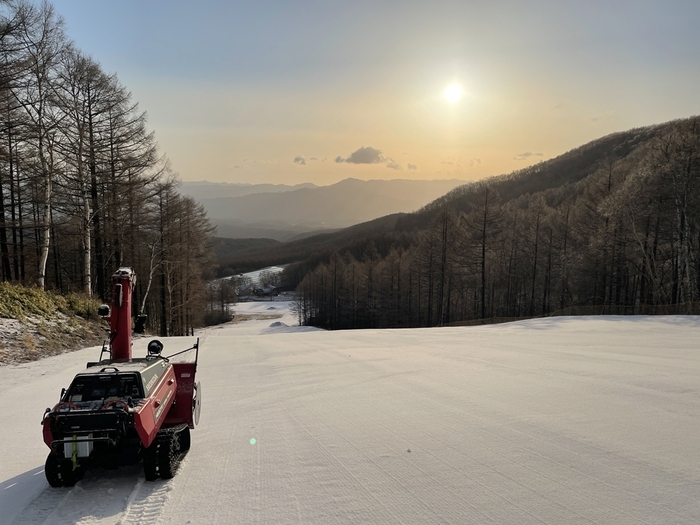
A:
(42, 507)
(100, 498)
(96, 499)
(146, 503)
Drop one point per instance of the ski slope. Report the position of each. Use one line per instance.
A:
(559, 421)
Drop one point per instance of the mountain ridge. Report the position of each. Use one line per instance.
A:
(559, 178)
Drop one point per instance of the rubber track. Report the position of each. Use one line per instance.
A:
(163, 452)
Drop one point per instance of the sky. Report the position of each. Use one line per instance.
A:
(318, 91)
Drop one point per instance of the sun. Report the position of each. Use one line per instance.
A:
(453, 93)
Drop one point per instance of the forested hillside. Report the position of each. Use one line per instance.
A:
(611, 227)
(83, 189)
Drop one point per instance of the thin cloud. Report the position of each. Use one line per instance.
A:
(475, 162)
(299, 159)
(364, 155)
(412, 167)
(393, 165)
(604, 116)
(527, 155)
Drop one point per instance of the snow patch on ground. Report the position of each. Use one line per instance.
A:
(257, 315)
(255, 275)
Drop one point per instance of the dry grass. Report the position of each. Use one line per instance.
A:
(32, 339)
(36, 324)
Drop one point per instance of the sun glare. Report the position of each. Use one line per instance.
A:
(453, 93)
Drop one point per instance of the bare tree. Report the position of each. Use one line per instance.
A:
(42, 42)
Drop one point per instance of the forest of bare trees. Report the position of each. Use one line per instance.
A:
(83, 189)
(622, 240)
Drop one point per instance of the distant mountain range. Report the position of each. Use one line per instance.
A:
(203, 189)
(283, 212)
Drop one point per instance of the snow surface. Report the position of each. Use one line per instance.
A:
(560, 421)
(255, 275)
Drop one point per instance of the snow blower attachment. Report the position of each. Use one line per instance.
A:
(122, 410)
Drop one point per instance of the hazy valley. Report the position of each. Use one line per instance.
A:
(286, 212)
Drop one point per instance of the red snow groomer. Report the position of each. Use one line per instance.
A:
(121, 410)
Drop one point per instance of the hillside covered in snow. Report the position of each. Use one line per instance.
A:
(560, 420)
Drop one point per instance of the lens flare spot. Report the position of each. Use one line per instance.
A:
(253, 441)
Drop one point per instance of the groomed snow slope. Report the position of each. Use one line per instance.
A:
(561, 421)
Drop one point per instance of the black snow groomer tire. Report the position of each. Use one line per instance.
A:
(60, 472)
(163, 457)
